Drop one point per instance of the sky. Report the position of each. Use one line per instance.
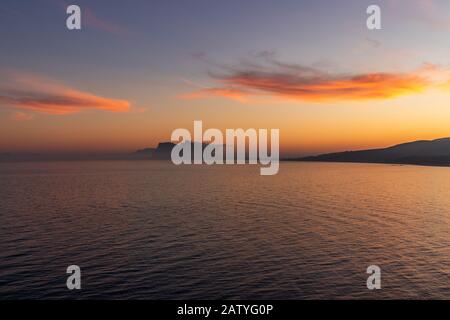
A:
(137, 70)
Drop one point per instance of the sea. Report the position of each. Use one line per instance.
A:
(153, 230)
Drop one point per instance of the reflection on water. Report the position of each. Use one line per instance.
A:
(150, 230)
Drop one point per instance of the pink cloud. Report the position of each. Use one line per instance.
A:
(304, 83)
(34, 93)
(94, 21)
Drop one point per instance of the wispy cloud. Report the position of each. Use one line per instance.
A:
(310, 84)
(373, 42)
(34, 93)
(21, 116)
(92, 20)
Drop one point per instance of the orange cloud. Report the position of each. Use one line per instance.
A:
(33, 93)
(312, 85)
(360, 87)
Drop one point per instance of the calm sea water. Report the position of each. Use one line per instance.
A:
(150, 230)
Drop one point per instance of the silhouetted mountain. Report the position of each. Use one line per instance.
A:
(146, 151)
(435, 152)
(162, 152)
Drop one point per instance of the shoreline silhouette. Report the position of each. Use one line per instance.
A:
(422, 152)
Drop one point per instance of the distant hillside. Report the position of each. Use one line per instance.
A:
(435, 152)
(162, 152)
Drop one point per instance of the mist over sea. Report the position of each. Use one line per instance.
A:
(152, 230)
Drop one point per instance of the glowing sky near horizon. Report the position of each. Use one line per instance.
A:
(140, 69)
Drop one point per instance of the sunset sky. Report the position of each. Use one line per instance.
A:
(140, 69)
